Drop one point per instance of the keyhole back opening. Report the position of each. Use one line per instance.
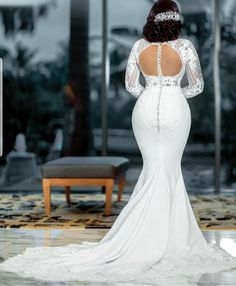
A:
(170, 63)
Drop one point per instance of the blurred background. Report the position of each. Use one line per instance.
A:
(53, 81)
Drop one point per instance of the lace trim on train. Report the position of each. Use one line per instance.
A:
(50, 266)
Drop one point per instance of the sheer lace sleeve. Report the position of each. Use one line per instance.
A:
(194, 72)
(132, 73)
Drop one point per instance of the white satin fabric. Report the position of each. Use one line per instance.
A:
(156, 238)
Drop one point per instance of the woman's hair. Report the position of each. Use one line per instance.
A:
(162, 31)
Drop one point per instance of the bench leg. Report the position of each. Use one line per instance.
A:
(109, 190)
(121, 185)
(67, 192)
(47, 196)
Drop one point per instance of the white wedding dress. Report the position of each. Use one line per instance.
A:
(156, 235)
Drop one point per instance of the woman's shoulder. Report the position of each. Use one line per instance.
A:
(139, 41)
(188, 43)
(187, 49)
(138, 45)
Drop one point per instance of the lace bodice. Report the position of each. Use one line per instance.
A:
(190, 64)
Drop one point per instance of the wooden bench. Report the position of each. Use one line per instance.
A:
(84, 171)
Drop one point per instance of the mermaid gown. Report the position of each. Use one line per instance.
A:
(156, 235)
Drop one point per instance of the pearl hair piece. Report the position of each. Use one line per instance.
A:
(169, 15)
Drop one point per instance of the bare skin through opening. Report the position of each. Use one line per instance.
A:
(170, 61)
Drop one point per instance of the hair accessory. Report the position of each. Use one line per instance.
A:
(169, 15)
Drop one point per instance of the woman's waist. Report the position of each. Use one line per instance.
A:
(163, 90)
(164, 81)
(163, 87)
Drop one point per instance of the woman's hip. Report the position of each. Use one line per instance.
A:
(165, 110)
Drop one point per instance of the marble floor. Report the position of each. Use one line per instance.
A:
(14, 241)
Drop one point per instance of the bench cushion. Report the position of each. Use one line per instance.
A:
(85, 167)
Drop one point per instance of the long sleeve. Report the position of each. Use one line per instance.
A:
(194, 73)
(132, 74)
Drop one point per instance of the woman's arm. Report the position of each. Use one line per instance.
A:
(194, 73)
(132, 73)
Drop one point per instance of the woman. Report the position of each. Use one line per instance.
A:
(156, 235)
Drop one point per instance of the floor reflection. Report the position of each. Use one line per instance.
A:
(14, 241)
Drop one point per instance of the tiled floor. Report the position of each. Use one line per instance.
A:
(14, 241)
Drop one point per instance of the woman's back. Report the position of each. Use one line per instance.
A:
(170, 61)
(175, 57)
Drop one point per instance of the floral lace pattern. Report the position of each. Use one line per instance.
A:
(166, 81)
(190, 64)
(49, 264)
